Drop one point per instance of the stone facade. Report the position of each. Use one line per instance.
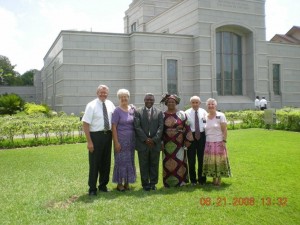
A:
(182, 31)
(27, 93)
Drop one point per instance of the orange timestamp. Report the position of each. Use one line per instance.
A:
(243, 201)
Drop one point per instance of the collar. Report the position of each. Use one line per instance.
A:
(101, 101)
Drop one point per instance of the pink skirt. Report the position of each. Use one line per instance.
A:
(215, 160)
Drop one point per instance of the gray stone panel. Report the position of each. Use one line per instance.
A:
(28, 93)
(137, 61)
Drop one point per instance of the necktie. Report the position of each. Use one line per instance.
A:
(106, 122)
(197, 129)
(149, 113)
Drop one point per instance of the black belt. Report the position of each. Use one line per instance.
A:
(200, 132)
(103, 132)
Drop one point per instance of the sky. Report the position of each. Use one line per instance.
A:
(28, 28)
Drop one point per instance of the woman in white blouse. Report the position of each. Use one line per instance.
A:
(215, 162)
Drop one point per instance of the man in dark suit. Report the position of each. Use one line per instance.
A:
(148, 123)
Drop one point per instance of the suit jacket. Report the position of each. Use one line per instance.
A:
(145, 128)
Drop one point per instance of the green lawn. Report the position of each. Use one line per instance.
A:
(48, 185)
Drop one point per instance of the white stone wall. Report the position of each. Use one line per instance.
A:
(78, 62)
(142, 11)
(27, 93)
(135, 62)
(176, 20)
(85, 61)
(51, 73)
(288, 56)
(38, 86)
(203, 19)
(149, 54)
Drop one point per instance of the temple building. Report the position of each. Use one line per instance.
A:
(210, 48)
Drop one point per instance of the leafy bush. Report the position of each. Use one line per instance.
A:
(288, 119)
(252, 119)
(32, 108)
(38, 129)
(10, 104)
(233, 120)
(62, 114)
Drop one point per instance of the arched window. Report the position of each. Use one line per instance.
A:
(229, 64)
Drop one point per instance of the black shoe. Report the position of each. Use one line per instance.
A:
(147, 188)
(202, 180)
(202, 183)
(153, 188)
(103, 189)
(92, 193)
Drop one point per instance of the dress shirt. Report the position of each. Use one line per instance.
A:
(263, 102)
(149, 110)
(93, 114)
(190, 113)
(257, 103)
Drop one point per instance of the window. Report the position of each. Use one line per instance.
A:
(133, 27)
(229, 63)
(172, 76)
(276, 79)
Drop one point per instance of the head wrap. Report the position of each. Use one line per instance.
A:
(166, 97)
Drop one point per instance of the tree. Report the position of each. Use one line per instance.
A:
(27, 77)
(7, 74)
(10, 77)
(5, 64)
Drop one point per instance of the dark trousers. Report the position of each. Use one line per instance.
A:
(99, 159)
(196, 149)
(149, 164)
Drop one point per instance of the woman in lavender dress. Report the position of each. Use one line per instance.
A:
(124, 142)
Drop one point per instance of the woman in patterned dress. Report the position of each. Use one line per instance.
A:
(124, 142)
(215, 162)
(177, 136)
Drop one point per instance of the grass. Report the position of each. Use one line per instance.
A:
(48, 185)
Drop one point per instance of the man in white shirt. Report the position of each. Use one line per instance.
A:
(196, 119)
(263, 103)
(97, 129)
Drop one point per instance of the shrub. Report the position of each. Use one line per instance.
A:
(245, 119)
(10, 104)
(288, 119)
(232, 118)
(62, 114)
(38, 129)
(32, 108)
(47, 108)
(52, 114)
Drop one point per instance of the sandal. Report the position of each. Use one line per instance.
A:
(120, 188)
(126, 187)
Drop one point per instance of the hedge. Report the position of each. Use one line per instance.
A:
(38, 129)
